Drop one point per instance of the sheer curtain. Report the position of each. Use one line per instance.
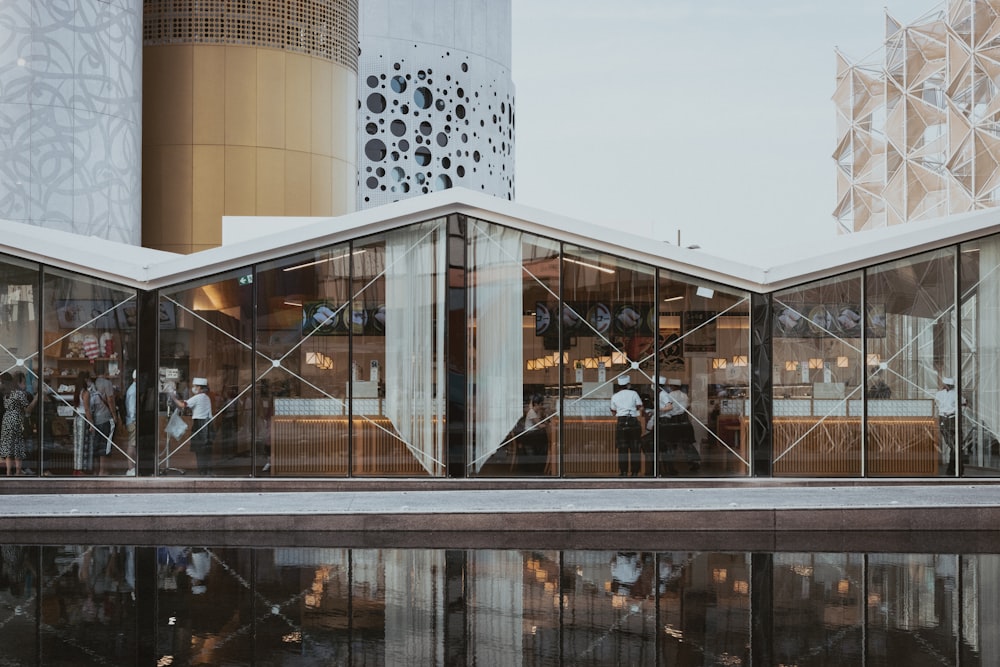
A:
(415, 388)
(496, 339)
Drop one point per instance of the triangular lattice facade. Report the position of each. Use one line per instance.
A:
(918, 126)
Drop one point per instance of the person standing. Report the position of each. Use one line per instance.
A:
(946, 401)
(534, 440)
(626, 406)
(130, 415)
(102, 409)
(200, 404)
(680, 432)
(83, 446)
(16, 403)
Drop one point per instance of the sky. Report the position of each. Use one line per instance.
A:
(713, 118)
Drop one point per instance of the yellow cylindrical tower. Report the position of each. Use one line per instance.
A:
(249, 108)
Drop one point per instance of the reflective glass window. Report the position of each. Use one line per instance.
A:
(20, 364)
(206, 343)
(513, 356)
(90, 347)
(911, 343)
(980, 391)
(700, 397)
(608, 347)
(819, 371)
(303, 364)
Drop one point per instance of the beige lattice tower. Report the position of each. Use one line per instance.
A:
(918, 123)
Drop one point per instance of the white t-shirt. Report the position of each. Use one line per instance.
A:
(947, 402)
(201, 406)
(626, 403)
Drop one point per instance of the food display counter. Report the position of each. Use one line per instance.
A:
(823, 437)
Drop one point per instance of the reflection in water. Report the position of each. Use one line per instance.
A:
(124, 605)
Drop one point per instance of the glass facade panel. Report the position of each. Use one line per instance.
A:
(399, 371)
(303, 353)
(980, 389)
(702, 404)
(608, 341)
(90, 351)
(513, 290)
(910, 347)
(818, 377)
(19, 360)
(206, 338)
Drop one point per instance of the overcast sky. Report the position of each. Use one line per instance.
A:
(713, 117)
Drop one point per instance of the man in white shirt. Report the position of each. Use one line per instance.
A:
(626, 406)
(946, 401)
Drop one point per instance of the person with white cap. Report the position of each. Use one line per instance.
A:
(626, 406)
(946, 401)
(678, 433)
(200, 404)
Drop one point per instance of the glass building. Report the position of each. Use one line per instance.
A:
(462, 336)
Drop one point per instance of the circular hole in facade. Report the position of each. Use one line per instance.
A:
(425, 128)
(404, 109)
(376, 103)
(398, 83)
(442, 182)
(422, 97)
(465, 138)
(372, 182)
(397, 127)
(405, 187)
(396, 66)
(446, 162)
(442, 139)
(459, 110)
(420, 177)
(398, 174)
(475, 156)
(439, 105)
(404, 145)
(465, 67)
(421, 75)
(460, 170)
(380, 172)
(460, 92)
(371, 128)
(375, 150)
(422, 156)
(372, 81)
(395, 156)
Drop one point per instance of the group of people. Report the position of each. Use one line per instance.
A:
(96, 414)
(670, 417)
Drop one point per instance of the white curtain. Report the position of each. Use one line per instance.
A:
(414, 606)
(415, 318)
(496, 617)
(496, 339)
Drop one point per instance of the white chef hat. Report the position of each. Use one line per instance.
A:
(201, 382)
(624, 380)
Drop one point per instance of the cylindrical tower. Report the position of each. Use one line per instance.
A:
(70, 116)
(436, 98)
(249, 108)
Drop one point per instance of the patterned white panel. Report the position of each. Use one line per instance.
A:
(70, 150)
(454, 54)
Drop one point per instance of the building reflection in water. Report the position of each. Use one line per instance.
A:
(170, 605)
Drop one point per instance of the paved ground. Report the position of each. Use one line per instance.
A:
(770, 509)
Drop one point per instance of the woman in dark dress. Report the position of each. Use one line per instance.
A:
(16, 403)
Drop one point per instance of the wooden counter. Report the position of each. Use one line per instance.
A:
(808, 446)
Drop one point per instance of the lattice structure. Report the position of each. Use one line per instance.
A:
(918, 125)
(322, 28)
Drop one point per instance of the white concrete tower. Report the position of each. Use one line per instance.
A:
(436, 99)
(71, 116)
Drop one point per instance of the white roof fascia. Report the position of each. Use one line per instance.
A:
(92, 256)
(145, 268)
(850, 252)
